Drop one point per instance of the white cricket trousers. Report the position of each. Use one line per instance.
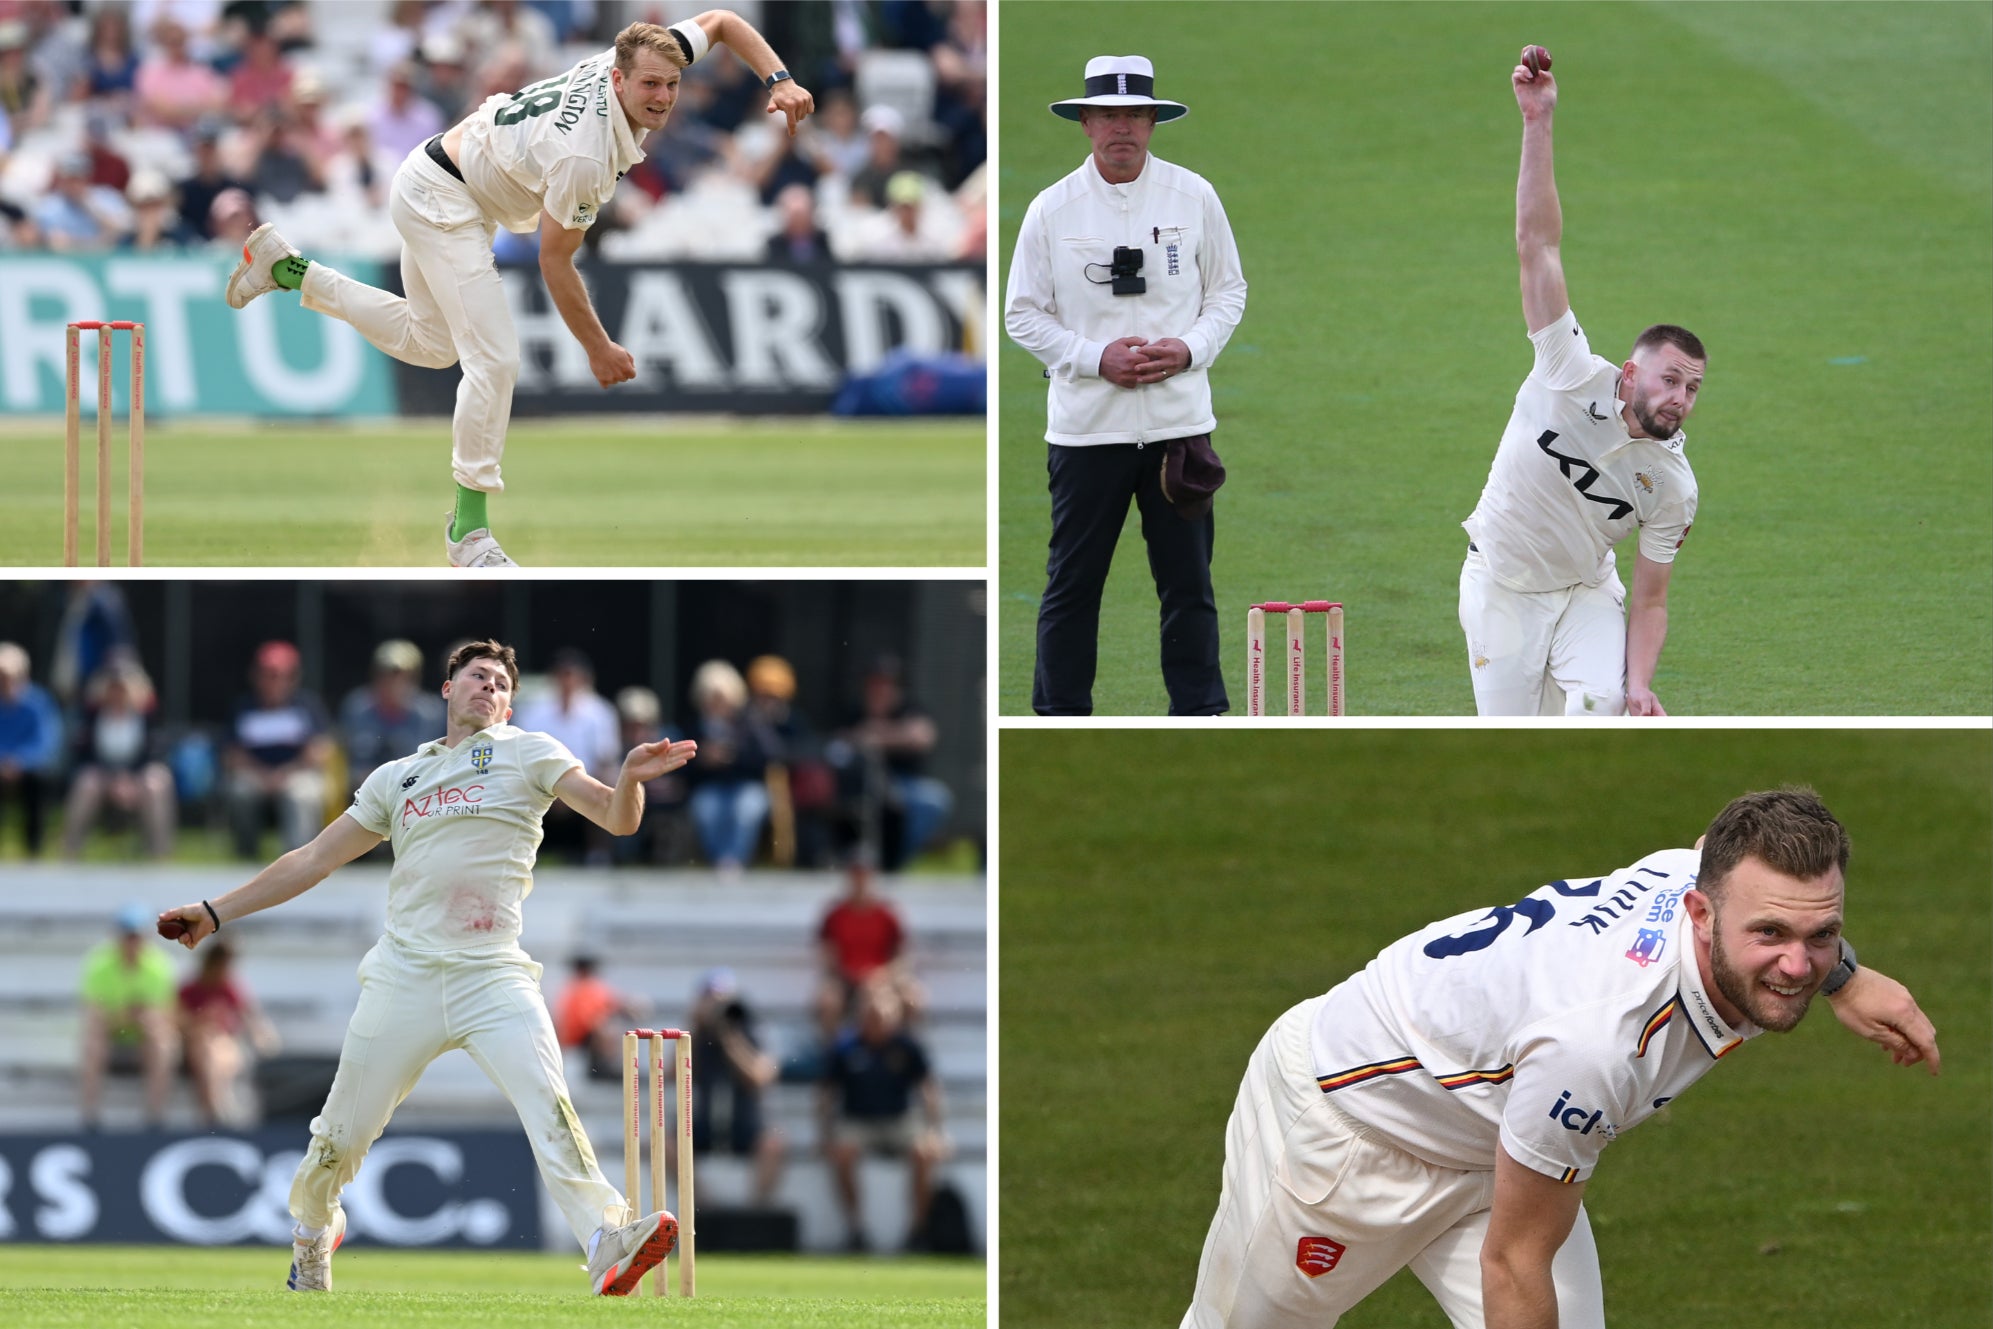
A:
(1302, 1178)
(1543, 652)
(455, 310)
(416, 1006)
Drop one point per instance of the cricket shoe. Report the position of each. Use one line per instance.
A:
(252, 277)
(476, 550)
(624, 1255)
(311, 1261)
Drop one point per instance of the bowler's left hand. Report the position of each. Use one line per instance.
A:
(1882, 1010)
(647, 761)
(793, 100)
(1642, 701)
(1162, 359)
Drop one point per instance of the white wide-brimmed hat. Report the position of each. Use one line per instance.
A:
(1121, 80)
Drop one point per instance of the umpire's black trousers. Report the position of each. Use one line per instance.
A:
(1090, 488)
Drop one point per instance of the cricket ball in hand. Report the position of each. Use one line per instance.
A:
(1535, 59)
(173, 928)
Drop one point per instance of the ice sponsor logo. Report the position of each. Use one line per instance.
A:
(456, 801)
(1315, 1256)
(1577, 1119)
(1647, 947)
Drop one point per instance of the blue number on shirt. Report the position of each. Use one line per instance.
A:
(1538, 912)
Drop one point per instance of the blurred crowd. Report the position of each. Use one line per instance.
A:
(165, 124)
(84, 746)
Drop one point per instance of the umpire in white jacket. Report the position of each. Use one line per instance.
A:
(1126, 284)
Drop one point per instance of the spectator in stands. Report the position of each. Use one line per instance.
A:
(110, 69)
(260, 79)
(95, 628)
(590, 1014)
(444, 80)
(962, 87)
(156, 221)
(800, 240)
(175, 90)
(23, 96)
(866, 1106)
(883, 126)
(108, 166)
(729, 794)
(777, 161)
(277, 752)
(397, 39)
(231, 217)
(641, 715)
(585, 723)
(118, 762)
(403, 120)
(356, 175)
(127, 1001)
(838, 139)
(812, 785)
(902, 233)
(77, 215)
(734, 1070)
(391, 716)
(321, 135)
(287, 163)
(17, 228)
(217, 1013)
(885, 752)
(859, 941)
(30, 743)
(210, 180)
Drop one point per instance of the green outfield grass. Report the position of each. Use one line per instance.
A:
(193, 1288)
(1808, 187)
(1167, 895)
(578, 494)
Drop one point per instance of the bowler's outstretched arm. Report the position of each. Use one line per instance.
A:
(1539, 218)
(287, 878)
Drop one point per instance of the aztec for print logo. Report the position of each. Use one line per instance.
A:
(1648, 946)
(481, 758)
(1317, 1255)
(457, 801)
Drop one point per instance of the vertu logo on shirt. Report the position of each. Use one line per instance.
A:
(1574, 1119)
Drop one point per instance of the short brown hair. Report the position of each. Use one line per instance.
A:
(483, 650)
(647, 37)
(1789, 830)
(1667, 334)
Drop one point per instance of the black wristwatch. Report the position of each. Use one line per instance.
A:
(1838, 977)
(777, 77)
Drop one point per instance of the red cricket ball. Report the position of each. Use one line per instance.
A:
(173, 928)
(1535, 59)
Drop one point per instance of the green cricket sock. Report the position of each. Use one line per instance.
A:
(289, 272)
(470, 513)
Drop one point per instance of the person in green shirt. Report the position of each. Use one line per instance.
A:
(127, 998)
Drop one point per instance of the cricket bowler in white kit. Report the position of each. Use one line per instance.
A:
(547, 157)
(463, 815)
(1592, 454)
(1444, 1108)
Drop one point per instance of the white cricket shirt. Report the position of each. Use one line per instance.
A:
(1568, 482)
(465, 824)
(1552, 1024)
(1061, 307)
(558, 146)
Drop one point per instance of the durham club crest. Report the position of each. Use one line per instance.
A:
(481, 758)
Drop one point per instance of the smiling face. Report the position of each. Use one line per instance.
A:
(647, 90)
(479, 696)
(1769, 939)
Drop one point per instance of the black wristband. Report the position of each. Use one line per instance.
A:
(212, 914)
(1837, 978)
(777, 77)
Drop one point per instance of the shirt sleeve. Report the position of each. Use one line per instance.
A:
(1031, 309)
(1661, 539)
(1563, 355)
(543, 760)
(1224, 301)
(373, 801)
(576, 189)
(1562, 1109)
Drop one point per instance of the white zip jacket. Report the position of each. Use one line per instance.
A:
(1059, 305)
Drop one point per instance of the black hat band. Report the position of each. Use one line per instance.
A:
(1121, 85)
